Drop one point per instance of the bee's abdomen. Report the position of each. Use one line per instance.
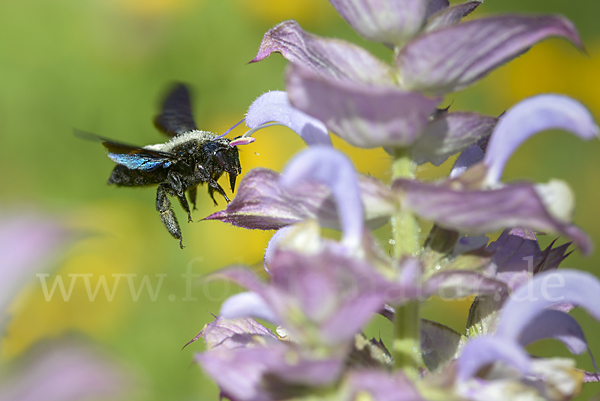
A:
(122, 176)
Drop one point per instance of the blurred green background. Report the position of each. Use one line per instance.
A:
(103, 65)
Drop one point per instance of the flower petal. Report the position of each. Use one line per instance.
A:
(448, 134)
(329, 57)
(467, 158)
(27, 244)
(262, 204)
(273, 245)
(451, 15)
(312, 282)
(388, 22)
(247, 304)
(239, 333)
(381, 386)
(483, 211)
(482, 351)
(558, 325)
(333, 169)
(458, 284)
(275, 106)
(66, 372)
(530, 116)
(452, 58)
(306, 297)
(258, 374)
(364, 116)
(544, 291)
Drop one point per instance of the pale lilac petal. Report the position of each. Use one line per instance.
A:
(330, 57)
(461, 283)
(333, 169)
(555, 324)
(439, 344)
(274, 244)
(350, 317)
(451, 15)
(238, 374)
(379, 385)
(530, 116)
(449, 134)
(66, 373)
(468, 157)
(247, 304)
(239, 333)
(544, 291)
(482, 351)
(262, 204)
(451, 58)
(312, 283)
(27, 245)
(389, 22)
(484, 211)
(255, 374)
(364, 116)
(275, 107)
(306, 298)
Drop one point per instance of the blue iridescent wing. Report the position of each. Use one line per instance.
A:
(136, 158)
(175, 117)
(131, 156)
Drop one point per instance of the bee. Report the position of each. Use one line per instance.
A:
(190, 158)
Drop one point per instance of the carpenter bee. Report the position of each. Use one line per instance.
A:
(190, 158)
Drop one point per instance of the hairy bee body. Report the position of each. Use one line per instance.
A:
(190, 158)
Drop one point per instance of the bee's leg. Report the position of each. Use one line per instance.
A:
(163, 205)
(193, 194)
(214, 186)
(185, 206)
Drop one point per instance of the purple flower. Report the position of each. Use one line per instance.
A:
(304, 295)
(527, 316)
(371, 104)
(27, 244)
(274, 107)
(53, 371)
(251, 363)
(454, 57)
(321, 292)
(477, 203)
(262, 203)
(62, 372)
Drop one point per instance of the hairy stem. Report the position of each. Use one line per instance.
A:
(405, 230)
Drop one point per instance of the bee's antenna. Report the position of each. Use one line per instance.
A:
(227, 132)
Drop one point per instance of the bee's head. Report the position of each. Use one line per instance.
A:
(223, 157)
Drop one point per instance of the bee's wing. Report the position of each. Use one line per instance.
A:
(175, 117)
(131, 156)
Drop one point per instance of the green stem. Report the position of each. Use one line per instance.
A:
(406, 347)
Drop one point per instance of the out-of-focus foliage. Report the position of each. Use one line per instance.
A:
(102, 66)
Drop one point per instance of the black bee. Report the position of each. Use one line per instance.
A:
(191, 157)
